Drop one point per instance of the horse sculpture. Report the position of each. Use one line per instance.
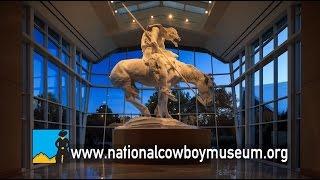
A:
(127, 72)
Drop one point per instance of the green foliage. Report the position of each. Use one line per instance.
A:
(53, 110)
(94, 135)
(103, 113)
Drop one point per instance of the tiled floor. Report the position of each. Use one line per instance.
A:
(215, 169)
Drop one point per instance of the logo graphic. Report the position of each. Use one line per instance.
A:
(50, 146)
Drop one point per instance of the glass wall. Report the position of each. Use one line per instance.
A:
(54, 70)
(273, 86)
(267, 106)
(108, 107)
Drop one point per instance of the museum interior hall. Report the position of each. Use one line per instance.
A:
(247, 77)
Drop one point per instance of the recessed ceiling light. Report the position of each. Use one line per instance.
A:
(187, 20)
(115, 11)
(112, 1)
(206, 12)
(151, 17)
(210, 2)
(170, 16)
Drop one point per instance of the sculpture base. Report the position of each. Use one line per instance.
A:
(155, 123)
(167, 138)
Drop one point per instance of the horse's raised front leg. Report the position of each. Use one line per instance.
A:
(131, 97)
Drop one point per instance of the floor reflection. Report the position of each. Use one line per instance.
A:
(214, 169)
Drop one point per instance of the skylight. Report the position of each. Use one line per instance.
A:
(198, 7)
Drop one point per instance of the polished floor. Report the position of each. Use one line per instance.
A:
(215, 169)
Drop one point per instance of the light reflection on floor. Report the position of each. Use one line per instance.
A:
(215, 169)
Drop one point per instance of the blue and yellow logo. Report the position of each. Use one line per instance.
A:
(50, 146)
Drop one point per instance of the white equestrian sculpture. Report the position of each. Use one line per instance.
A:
(126, 72)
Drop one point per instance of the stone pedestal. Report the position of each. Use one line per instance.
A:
(167, 138)
(166, 133)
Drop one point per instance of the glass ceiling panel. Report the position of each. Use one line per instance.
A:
(149, 4)
(173, 4)
(132, 8)
(195, 9)
(183, 5)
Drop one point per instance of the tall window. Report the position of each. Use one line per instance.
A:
(52, 83)
(269, 101)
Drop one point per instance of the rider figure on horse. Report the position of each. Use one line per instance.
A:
(152, 45)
